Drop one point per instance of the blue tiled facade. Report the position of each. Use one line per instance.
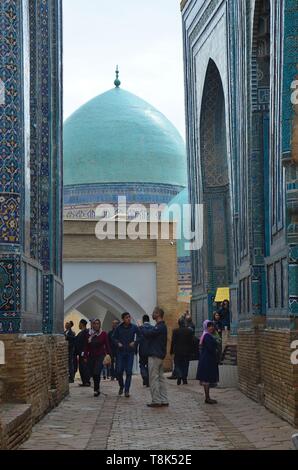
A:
(31, 166)
(240, 61)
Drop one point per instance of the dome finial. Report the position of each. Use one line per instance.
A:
(117, 82)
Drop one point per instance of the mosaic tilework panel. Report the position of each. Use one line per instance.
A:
(10, 121)
(9, 218)
(34, 133)
(10, 295)
(99, 193)
(45, 166)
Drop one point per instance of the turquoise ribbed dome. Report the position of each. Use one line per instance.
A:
(119, 138)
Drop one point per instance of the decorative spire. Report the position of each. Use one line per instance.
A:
(117, 82)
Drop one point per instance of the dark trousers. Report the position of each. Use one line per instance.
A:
(84, 370)
(71, 364)
(174, 371)
(144, 369)
(95, 369)
(113, 367)
(125, 364)
(182, 366)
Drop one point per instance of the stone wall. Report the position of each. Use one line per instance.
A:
(35, 372)
(266, 373)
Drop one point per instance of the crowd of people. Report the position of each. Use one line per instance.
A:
(97, 354)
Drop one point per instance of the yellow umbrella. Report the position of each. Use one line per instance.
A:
(223, 293)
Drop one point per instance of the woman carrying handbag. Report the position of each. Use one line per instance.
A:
(98, 352)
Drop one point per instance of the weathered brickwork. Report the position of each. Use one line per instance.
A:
(266, 373)
(248, 363)
(35, 372)
(16, 426)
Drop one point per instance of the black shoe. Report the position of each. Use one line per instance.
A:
(71, 381)
(185, 382)
(209, 401)
(165, 404)
(172, 377)
(179, 382)
(121, 390)
(97, 393)
(127, 394)
(154, 405)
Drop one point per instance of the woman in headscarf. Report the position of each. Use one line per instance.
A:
(208, 373)
(98, 347)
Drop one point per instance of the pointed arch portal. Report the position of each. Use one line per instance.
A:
(106, 290)
(215, 182)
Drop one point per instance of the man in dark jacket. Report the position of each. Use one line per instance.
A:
(144, 351)
(127, 338)
(181, 347)
(113, 346)
(70, 337)
(81, 346)
(157, 337)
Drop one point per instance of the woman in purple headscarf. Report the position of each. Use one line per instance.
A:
(208, 373)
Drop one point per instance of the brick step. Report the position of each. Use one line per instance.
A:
(16, 424)
(229, 355)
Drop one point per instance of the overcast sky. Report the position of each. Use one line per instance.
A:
(143, 36)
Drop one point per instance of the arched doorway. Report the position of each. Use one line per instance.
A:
(102, 300)
(215, 191)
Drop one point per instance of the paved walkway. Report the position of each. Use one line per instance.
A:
(119, 423)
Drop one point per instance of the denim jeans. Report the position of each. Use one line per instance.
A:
(125, 364)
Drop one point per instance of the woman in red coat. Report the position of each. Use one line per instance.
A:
(98, 347)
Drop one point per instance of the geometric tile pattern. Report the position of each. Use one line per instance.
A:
(10, 294)
(10, 122)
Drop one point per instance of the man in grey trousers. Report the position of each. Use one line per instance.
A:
(157, 339)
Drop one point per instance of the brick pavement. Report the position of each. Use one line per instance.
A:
(119, 423)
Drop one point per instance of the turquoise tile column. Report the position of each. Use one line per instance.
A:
(14, 155)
